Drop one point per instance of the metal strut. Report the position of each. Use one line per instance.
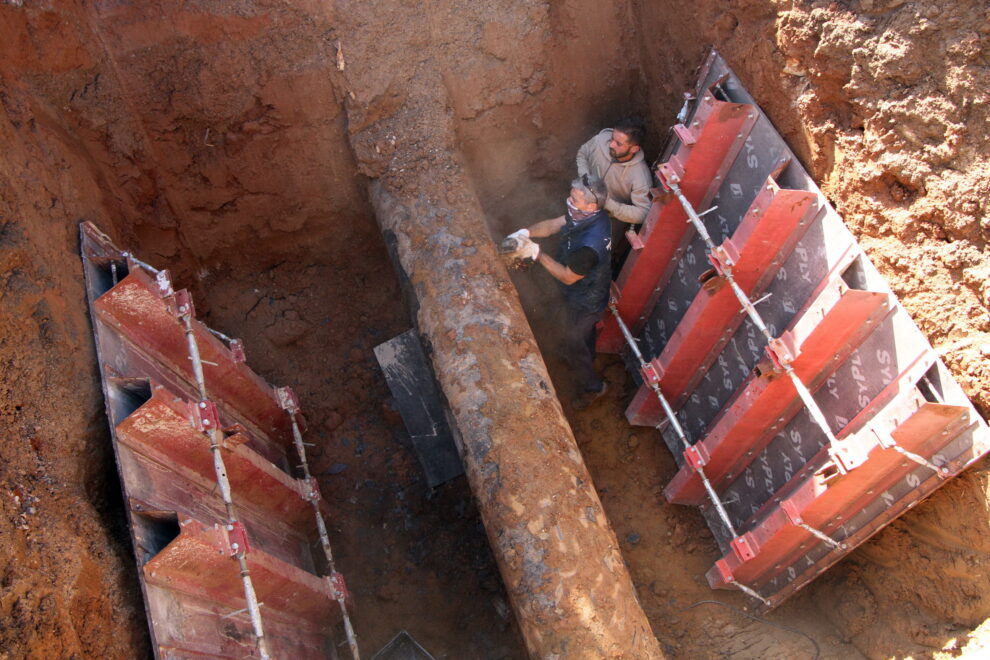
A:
(750, 309)
(288, 402)
(682, 437)
(214, 434)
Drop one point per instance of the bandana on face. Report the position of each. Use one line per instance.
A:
(577, 215)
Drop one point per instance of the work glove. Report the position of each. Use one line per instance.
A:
(518, 250)
(527, 249)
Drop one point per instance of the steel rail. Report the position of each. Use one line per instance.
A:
(682, 437)
(314, 500)
(214, 434)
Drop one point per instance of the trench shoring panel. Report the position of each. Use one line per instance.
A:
(214, 485)
(805, 410)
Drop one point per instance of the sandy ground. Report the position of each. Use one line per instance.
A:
(214, 137)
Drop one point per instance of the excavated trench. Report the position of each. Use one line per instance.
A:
(234, 143)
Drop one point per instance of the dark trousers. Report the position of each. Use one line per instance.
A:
(579, 338)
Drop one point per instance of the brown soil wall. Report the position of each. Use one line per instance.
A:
(213, 136)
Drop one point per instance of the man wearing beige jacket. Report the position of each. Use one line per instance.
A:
(615, 155)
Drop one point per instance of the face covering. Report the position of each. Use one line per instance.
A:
(577, 215)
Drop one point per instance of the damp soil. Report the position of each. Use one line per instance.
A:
(215, 139)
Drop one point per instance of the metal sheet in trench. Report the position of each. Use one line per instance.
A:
(879, 391)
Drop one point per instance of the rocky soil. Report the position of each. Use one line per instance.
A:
(223, 139)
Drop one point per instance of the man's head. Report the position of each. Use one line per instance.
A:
(588, 193)
(627, 138)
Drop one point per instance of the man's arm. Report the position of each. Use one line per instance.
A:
(584, 157)
(558, 270)
(546, 228)
(635, 212)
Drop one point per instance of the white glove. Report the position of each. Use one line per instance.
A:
(519, 233)
(527, 249)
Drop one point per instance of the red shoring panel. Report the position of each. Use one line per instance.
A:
(824, 498)
(821, 337)
(896, 401)
(199, 562)
(161, 430)
(136, 308)
(719, 130)
(764, 239)
(197, 635)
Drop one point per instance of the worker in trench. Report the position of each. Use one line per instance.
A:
(615, 155)
(582, 267)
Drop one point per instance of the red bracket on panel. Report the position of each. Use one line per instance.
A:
(745, 547)
(287, 398)
(790, 509)
(850, 453)
(237, 540)
(725, 257)
(634, 241)
(204, 416)
(652, 372)
(724, 572)
(183, 304)
(337, 586)
(782, 350)
(313, 490)
(684, 134)
(671, 172)
(164, 282)
(697, 456)
(237, 351)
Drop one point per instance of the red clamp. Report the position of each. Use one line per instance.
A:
(684, 134)
(791, 511)
(312, 490)
(614, 293)
(724, 257)
(852, 452)
(337, 587)
(670, 172)
(782, 350)
(724, 571)
(652, 372)
(697, 456)
(745, 547)
(164, 281)
(183, 304)
(287, 398)
(634, 240)
(237, 540)
(237, 351)
(204, 416)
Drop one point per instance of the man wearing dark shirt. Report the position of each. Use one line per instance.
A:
(583, 268)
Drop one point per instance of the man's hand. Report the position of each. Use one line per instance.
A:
(519, 250)
(527, 249)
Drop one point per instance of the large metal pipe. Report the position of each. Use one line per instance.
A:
(557, 553)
